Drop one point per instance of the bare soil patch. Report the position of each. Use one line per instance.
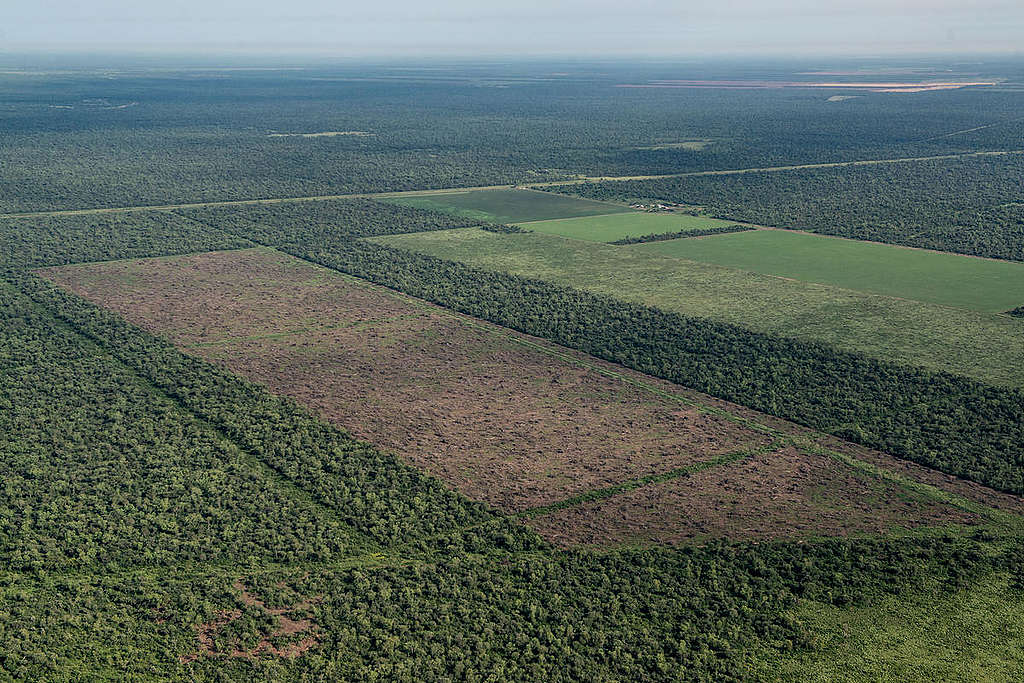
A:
(784, 494)
(499, 421)
(288, 639)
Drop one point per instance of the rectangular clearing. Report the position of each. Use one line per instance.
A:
(620, 225)
(500, 421)
(509, 206)
(984, 285)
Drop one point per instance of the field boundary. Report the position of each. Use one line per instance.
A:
(639, 482)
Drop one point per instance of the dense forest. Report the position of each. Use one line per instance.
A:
(968, 205)
(131, 137)
(951, 423)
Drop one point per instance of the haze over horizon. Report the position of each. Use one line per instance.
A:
(452, 28)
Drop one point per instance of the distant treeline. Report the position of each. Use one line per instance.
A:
(69, 141)
(970, 205)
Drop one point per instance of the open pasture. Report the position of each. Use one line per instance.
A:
(498, 416)
(509, 205)
(984, 285)
(982, 346)
(611, 227)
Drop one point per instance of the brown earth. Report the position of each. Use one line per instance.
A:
(499, 421)
(787, 493)
(285, 628)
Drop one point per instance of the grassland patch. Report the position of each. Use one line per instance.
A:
(984, 285)
(970, 635)
(612, 227)
(509, 205)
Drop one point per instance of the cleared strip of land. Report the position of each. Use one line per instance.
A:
(510, 205)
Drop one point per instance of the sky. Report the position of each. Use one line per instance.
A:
(452, 28)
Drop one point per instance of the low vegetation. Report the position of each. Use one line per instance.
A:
(508, 205)
(983, 285)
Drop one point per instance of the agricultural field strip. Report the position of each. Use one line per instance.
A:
(575, 181)
(278, 478)
(666, 248)
(1001, 518)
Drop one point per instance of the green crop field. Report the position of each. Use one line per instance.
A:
(510, 206)
(609, 228)
(984, 285)
(980, 345)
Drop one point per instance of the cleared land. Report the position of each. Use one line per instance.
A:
(984, 285)
(510, 205)
(619, 225)
(978, 345)
(499, 421)
(499, 416)
(803, 493)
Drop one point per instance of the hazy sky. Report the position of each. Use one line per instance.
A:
(534, 27)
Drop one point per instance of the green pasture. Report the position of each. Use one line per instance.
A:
(509, 206)
(984, 346)
(616, 226)
(984, 285)
(971, 635)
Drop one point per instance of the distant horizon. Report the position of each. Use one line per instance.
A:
(569, 28)
(212, 58)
